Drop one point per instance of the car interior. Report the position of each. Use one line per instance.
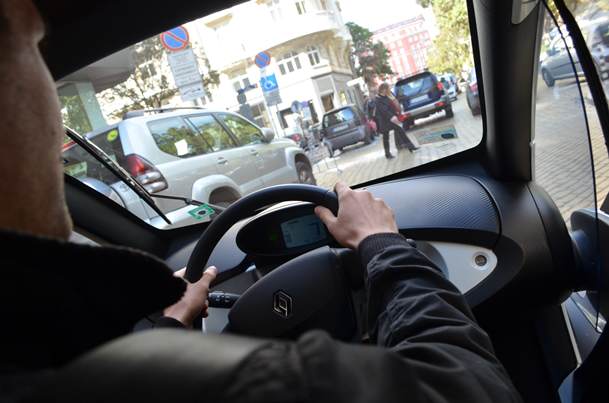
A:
(537, 285)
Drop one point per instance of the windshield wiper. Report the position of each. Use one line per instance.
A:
(116, 169)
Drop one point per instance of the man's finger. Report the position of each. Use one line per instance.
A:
(340, 188)
(180, 273)
(325, 216)
(209, 275)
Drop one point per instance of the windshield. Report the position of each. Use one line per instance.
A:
(268, 92)
(337, 117)
(415, 87)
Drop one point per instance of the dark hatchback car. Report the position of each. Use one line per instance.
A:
(422, 95)
(343, 127)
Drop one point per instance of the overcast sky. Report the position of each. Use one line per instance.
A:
(375, 14)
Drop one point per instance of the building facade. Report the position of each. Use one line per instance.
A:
(309, 47)
(408, 42)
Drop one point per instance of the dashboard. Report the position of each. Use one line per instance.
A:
(487, 237)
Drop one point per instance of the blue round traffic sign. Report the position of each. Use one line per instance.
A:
(262, 59)
(175, 39)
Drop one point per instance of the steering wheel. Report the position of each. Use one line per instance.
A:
(313, 290)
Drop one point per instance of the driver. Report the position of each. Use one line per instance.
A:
(67, 309)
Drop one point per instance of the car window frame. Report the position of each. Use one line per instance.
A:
(231, 136)
(218, 116)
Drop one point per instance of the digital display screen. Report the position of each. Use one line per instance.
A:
(303, 231)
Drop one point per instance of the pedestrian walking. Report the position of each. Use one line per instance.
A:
(387, 119)
(399, 134)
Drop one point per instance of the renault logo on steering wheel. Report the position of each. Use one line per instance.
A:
(282, 304)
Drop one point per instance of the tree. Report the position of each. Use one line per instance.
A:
(369, 59)
(452, 47)
(73, 114)
(149, 86)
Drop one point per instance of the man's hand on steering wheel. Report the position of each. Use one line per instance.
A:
(359, 215)
(194, 302)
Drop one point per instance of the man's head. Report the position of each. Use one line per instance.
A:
(31, 177)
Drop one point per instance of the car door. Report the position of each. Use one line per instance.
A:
(229, 158)
(267, 159)
(572, 165)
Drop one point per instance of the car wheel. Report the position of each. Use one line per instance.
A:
(449, 111)
(547, 78)
(305, 173)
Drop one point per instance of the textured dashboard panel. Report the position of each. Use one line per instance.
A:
(441, 202)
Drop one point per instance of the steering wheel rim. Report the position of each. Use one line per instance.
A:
(243, 208)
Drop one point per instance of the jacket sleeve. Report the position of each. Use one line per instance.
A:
(432, 350)
(420, 315)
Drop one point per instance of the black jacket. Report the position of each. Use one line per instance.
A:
(383, 113)
(61, 300)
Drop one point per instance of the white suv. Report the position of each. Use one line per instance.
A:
(208, 155)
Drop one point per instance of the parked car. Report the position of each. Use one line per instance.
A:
(422, 95)
(449, 82)
(598, 42)
(471, 93)
(557, 63)
(343, 127)
(214, 156)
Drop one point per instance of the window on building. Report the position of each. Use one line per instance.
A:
(323, 5)
(313, 53)
(275, 10)
(241, 83)
(260, 115)
(289, 62)
(338, 7)
(175, 137)
(300, 7)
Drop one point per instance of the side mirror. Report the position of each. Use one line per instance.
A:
(268, 135)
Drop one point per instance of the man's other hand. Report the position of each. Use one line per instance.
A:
(359, 216)
(194, 302)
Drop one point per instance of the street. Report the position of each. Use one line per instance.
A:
(562, 163)
(360, 163)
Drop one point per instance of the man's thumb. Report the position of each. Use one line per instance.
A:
(325, 216)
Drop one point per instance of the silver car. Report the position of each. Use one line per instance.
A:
(208, 155)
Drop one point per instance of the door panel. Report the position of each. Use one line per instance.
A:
(230, 160)
(262, 158)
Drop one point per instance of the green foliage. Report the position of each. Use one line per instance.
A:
(452, 47)
(73, 114)
(149, 86)
(370, 59)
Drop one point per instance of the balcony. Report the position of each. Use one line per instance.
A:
(296, 26)
(252, 30)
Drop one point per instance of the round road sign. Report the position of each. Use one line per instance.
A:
(262, 59)
(175, 39)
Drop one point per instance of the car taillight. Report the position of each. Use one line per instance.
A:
(146, 173)
(440, 86)
(473, 87)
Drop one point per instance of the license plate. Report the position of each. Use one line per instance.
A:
(419, 99)
(339, 128)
